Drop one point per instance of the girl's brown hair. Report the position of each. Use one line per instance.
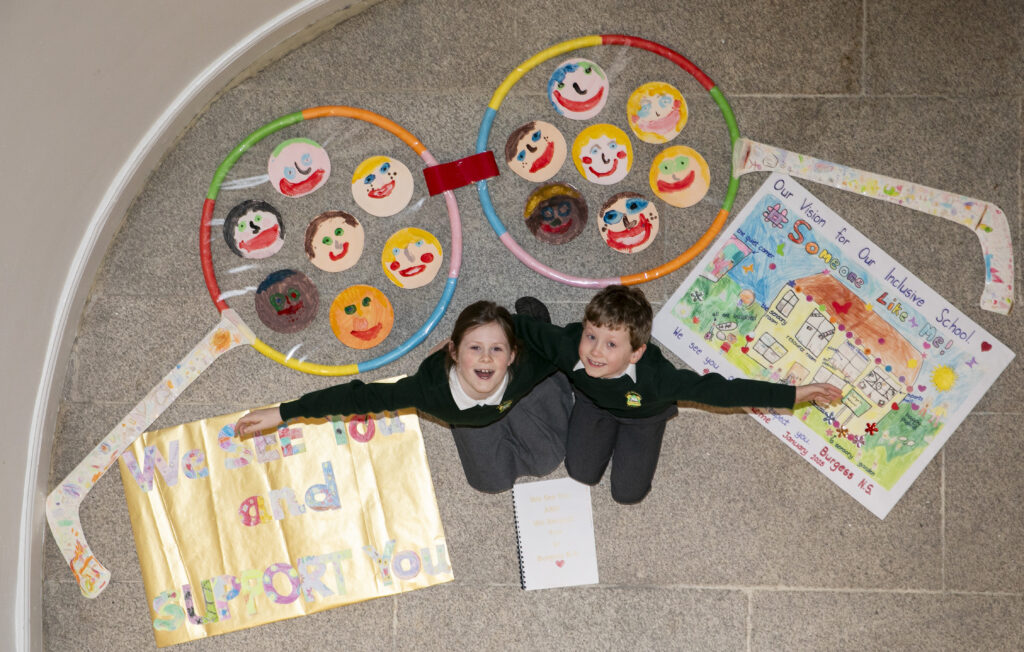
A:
(479, 314)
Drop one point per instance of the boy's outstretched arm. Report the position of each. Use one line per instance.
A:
(259, 420)
(817, 393)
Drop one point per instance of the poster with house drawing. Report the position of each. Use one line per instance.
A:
(793, 294)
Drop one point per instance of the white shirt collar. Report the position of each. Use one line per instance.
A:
(464, 401)
(630, 371)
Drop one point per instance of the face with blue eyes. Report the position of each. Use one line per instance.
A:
(298, 167)
(555, 213)
(578, 89)
(628, 222)
(334, 241)
(411, 258)
(382, 188)
(603, 154)
(535, 151)
(657, 112)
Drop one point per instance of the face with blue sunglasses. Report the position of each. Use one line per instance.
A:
(628, 222)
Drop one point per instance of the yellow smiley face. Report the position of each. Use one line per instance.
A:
(361, 317)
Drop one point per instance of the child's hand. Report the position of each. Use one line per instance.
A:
(259, 420)
(818, 393)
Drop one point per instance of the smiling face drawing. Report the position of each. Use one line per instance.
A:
(603, 154)
(657, 112)
(680, 176)
(253, 229)
(334, 241)
(361, 316)
(535, 151)
(382, 186)
(555, 213)
(411, 258)
(298, 166)
(287, 301)
(628, 222)
(578, 89)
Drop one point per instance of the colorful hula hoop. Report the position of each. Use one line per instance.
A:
(586, 42)
(455, 260)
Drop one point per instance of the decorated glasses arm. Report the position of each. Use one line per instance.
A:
(984, 218)
(63, 502)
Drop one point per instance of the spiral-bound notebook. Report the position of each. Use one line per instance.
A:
(555, 532)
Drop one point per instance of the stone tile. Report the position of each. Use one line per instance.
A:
(979, 46)
(731, 506)
(984, 505)
(735, 43)
(77, 623)
(595, 617)
(796, 620)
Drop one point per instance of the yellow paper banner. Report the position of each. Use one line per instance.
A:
(233, 533)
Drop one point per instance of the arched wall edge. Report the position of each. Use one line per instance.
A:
(299, 24)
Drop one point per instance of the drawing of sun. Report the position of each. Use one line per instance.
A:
(943, 378)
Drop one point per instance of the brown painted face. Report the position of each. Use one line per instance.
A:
(361, 317)
(555, 213)
(287, 301)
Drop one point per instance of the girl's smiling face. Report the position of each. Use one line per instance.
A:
(482, 359)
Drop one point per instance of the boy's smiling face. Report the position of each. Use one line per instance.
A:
(606, 352)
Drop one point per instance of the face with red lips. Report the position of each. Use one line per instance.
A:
(411, 258)
(628, 222)
(382, 186)
(361, 317)
(535, 151)
(555, 213)
(253, 229)
(287, 301)
(657, 112)
(578, 89)
(334, 241)
(680, 176)
(603, 154)
(298, 167)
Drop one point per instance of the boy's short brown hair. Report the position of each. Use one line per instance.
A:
(621, 307)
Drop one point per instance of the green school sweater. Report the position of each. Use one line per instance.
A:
(427, 390)
(658, 383)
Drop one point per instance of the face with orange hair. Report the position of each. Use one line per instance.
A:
(361, 317)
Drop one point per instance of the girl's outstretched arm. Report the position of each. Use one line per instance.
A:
(818, 393)
(258, 421)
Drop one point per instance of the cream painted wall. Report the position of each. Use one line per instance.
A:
(93, 94)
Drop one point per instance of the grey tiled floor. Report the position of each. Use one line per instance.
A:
(741, 545)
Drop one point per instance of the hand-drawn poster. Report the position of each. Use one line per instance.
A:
(791, 293)
(233, 533)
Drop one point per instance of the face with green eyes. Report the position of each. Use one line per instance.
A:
(680, 176)
(535, 151)
(287, 301)
(411, 258)
(578, 89)
(628, 222)
(334, 241)
(382, 186)
(361, 317)
(298, 166)
(253, 229)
